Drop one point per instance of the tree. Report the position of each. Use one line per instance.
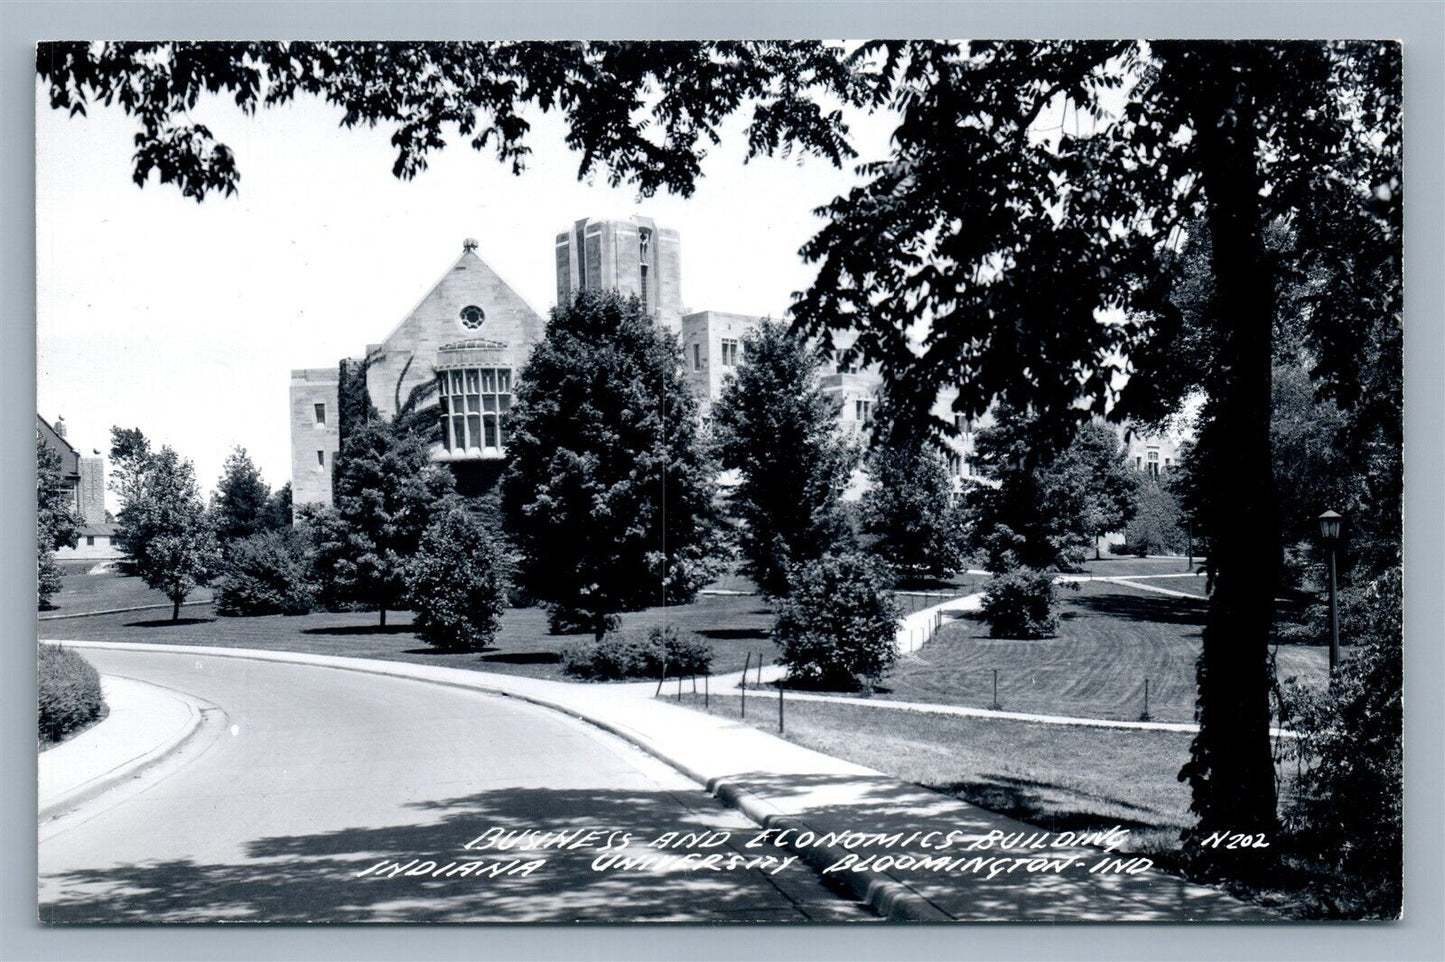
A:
(911, 511)
(478, 89)
(241, 505)
(130, 454)
(609, 494)
(1049, 503)
(164, 529)
(387, 490)
(1103, 484)
(277, 516)
(1084, 160)
(56, 526)
(837, 626)
(776, 428)
(1350, 747)
(267, 573)
(457, 582)
(1157, 526)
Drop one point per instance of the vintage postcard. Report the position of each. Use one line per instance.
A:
(739, 482)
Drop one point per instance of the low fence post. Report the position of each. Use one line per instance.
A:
(661, 678)
(1145, 715)
(743, 685)
(679, 686)
(760, 669)
(995, 706)
(780, 707)
(704, 693)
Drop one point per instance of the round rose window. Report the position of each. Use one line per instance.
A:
(472, 317)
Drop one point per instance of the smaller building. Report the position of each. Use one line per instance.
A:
(712, 348)
(83, 476)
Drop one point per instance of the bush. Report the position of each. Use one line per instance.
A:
(1021, 604)
(457, 583)
(1344, 816)
(69, 692)
(1156, 527)
(633, 655)
(266, 574)
(838, 625)
(47, 577)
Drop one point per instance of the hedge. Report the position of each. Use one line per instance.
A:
(70, 695)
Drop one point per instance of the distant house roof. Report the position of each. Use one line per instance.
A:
(69, 457)
(106, 528)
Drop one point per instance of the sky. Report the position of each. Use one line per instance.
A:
(185, 319)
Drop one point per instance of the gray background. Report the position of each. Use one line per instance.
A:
(1421, 25)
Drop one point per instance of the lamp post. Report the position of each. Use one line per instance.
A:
(1330, 535)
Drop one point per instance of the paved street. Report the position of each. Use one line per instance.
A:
(316, 775)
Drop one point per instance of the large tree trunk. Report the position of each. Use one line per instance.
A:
(175, 610)
(383, 617)
(1232, 770)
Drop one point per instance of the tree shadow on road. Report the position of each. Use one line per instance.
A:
(315, 877)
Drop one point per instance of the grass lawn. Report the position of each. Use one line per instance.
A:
(81, 592)
(1125, 566)
(1053, 776)
(1111, 639)
(735, 626)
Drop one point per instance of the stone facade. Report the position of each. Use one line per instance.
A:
(712, 347)
(632, 256)
(1152, 454)
(315, 434)
(463, 344)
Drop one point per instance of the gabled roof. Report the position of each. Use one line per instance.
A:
(479, 272)
(69, 457)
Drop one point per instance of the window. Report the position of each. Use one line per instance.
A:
(90, 541)
(320, 413)
(697, 357)
(1138, 464)
(320, 460)
(862, 411)
(729, 352)
(1154, 463)
(643, 296)
(472, 317)
(473, 402)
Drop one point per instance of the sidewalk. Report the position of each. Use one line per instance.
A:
(783, 786)
(145, 725)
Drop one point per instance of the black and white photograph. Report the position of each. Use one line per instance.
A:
(765, 481)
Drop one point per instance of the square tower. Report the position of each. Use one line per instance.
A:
(634, 257)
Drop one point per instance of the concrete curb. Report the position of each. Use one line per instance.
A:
(891, 899)
(200, 713)
(117, 611)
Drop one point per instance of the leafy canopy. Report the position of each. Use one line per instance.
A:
(609, 493)
(643, 112)
(164, 529)
(387, 488)
(774, 426)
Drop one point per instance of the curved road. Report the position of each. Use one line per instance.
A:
(317, 775)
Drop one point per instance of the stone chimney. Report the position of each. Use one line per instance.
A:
(60, 426)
